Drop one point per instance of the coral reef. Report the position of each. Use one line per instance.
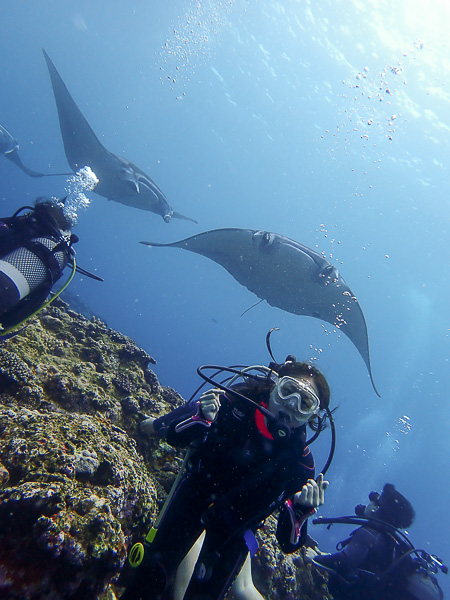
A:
(285, 577)
(78, 481)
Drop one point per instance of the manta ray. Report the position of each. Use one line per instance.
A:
(9, 147)
(119, 179)
(287, 275)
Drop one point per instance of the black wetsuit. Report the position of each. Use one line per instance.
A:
(237, 476)
(361, 570)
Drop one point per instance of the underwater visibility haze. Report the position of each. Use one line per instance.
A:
(324, 122)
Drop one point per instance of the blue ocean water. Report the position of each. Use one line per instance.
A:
(326, 122)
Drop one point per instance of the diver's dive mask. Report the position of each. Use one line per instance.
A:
(374, 497)
(297, 398)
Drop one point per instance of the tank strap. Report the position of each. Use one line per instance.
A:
(47, 257)
(344, 543)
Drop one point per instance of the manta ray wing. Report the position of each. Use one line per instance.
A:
(9, 148)
(15, 158)
(8, 143)
(81, 145)
(321, 292)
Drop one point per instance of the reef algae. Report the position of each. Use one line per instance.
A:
(78, 481)
(281, 576)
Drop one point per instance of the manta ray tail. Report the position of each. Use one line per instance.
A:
(151, 244)
(177, 215)
(252, 306)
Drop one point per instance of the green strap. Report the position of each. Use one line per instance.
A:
(152, 533)
(137, 552)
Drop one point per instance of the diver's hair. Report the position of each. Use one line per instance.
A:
(395, 508)
(292, 368)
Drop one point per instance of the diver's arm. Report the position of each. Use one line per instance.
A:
(179, 427)
(148, 426)
(353, 556)
(292, 525)
(158, 426)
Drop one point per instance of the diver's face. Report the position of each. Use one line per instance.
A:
(371, 509)
(294, 400)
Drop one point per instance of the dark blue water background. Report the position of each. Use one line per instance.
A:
(327, 122)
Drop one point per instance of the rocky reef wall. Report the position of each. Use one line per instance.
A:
(78, 481)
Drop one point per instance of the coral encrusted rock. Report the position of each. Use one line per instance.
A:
(78, 482)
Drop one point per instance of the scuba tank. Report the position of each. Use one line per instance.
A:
(27, 268)
(34, 250)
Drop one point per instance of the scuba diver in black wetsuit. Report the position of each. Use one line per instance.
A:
(377, 561)
(35, 248)
(249, 458)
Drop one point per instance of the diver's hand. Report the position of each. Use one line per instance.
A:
(310, 554)
(210, 404)
(147, 426)
(312, 493)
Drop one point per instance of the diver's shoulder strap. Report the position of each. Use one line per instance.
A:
(47, 257)
(344, 543)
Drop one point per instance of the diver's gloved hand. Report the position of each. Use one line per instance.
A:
(147, 426)
(312, 494)
(310, 554)
(210, 404)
